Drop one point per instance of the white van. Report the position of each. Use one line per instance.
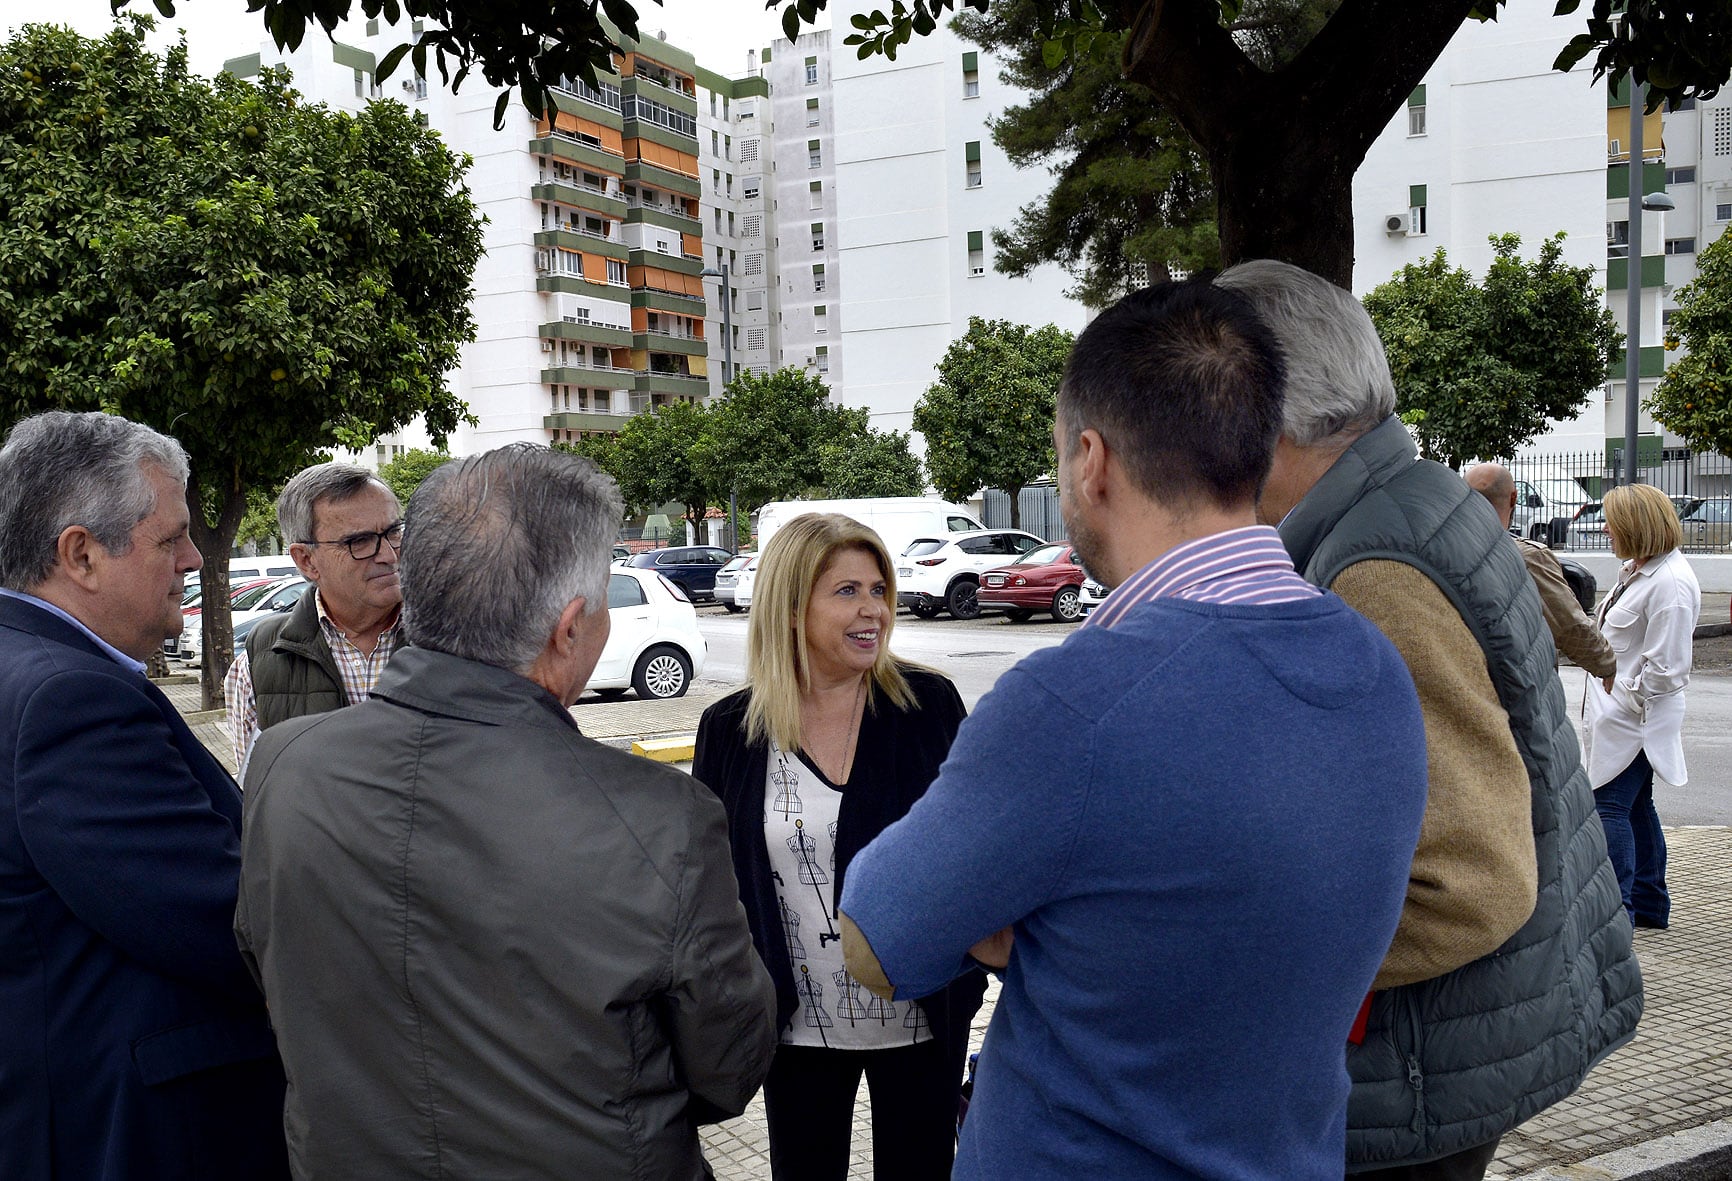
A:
(263, 566)
(896, 519)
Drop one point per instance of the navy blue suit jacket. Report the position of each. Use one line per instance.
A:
(133, 1042)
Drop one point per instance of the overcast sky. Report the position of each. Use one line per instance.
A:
(718, 32)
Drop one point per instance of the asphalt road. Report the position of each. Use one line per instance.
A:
(973, 654)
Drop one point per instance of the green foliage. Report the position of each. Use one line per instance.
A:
(1480, 368)
(988, 418)
(1131, 196)
(260, 523)
(404, 474)
(767, 434)
(655, 461)
(263, 279)
(860, 461)
(1694, 398)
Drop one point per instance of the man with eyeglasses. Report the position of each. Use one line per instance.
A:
(345, 528)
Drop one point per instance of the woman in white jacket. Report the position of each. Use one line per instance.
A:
(1636, 716)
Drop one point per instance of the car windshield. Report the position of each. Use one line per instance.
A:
(1562, 491)
(922, 547)
(736, 563)
(1041, 556)
(1711, 510)
(248, 599)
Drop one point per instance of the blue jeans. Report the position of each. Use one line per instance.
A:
(1635, 842)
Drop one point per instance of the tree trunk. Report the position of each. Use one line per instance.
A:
(1283, 146)
(214, 543)
(1015, 495)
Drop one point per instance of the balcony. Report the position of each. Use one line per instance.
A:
(602, 334)
(594, 376)
(656, 299)
(682, 385)
(578, 285)
(582, 240)
(668, 342)
(582, 196)
(584, 420)
(661, 215)
(685, 264)
(577, 151)
(644, 172)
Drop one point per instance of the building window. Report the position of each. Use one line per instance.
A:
(1723, 132)
(820, 318)
(360, 85)
(811, 112)
(971, 75)
(716, 181)
(757, 338)
(715, 143)
(814, 154)
(616, 272)
(817, 235)
(811, 71)
(971, 155)
(1416, 112)
(821, 355)
(1666, 317)
(718, 222)
(1723, 211)
(748, 151)
(1680, 246)
(728, 147)
(815, 193)
(976, 253)
(420, 87)
(817, 276)
(1416, 214)
(1617, 239)
(749, 187)
(1681, 176)
(755, 302)
(751, 225)
(754, 264)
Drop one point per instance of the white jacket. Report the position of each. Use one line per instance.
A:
(1649, 626)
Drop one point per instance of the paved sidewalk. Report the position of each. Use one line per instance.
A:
(1674, 1076)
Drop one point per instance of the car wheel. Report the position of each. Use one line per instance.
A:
(1019, 614)
(661, 673)
(1067, 605)
(610, 694)
(1539, 531)
(963, 600)
(925, 610)
(733, 608)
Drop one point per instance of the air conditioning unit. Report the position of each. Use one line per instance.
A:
(547, 346)
(543, 263)
(977, 271)
(408, 84)
(1395, 224)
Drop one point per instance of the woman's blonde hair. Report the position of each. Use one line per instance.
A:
(778, 665)
(1642, 522)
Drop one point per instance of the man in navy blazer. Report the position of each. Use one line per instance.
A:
(133, 1043)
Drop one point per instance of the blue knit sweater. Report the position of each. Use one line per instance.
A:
(1200, 824)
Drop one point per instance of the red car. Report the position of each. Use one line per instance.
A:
(1044, 579)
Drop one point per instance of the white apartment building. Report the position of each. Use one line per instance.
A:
(1494, 141)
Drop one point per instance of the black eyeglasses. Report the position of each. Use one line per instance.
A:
(363, 546)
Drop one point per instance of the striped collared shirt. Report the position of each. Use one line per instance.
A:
(1238, 567)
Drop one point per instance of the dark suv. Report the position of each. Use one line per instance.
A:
(692, 568)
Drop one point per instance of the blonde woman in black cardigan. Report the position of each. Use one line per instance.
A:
(834, 740)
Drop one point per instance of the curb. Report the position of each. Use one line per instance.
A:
(666, 750)
(1708, 631)
(1702, 1153)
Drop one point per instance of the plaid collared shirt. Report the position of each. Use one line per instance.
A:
(359, 671)
(1240, 566)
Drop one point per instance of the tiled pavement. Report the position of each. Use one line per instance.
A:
(1674, 1075)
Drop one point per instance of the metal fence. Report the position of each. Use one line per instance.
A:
(1558, 493)
(1038, 504)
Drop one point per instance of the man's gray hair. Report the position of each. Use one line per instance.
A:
(1338, 379)
(497, 544)
(59, 469)
(330, 483)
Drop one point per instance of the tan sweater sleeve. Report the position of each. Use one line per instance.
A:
(1474, 879)
(1572, 631)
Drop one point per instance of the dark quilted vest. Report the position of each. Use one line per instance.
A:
(1454, 1062)
(293, 671)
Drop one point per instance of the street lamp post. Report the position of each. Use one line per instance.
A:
(727, 376)
(1633, 283)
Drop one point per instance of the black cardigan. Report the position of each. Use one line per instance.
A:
(896, 759)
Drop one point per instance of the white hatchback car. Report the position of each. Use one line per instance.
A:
(653, 645)
(745, 579)
(943, 573)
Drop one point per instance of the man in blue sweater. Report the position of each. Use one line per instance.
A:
(1188, 828)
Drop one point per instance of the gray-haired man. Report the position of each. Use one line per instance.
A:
(491, 946)
(1511, 972)
(344, 528)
